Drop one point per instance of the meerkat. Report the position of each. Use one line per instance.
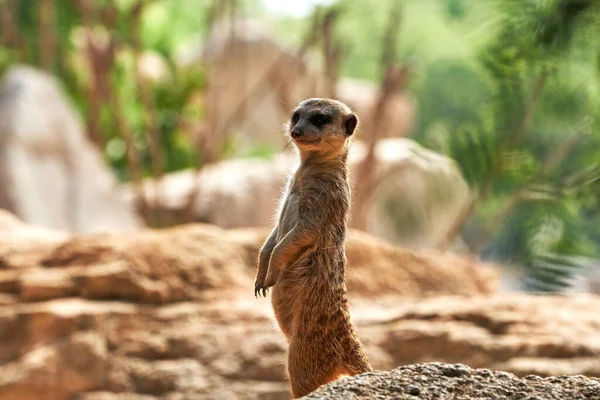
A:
(304, 257)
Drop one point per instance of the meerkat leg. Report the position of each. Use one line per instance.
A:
(303, 385)
(357, 364)
(308, 370)
(288, 250)
(264, 257)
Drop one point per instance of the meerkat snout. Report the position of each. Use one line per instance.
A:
(297, 132)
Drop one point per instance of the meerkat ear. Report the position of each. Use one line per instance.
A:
(350, 124)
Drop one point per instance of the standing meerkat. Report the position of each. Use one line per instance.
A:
(304, 257)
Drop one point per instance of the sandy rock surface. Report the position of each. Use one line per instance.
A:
(199, 261)
(458, 382)
(171, 315)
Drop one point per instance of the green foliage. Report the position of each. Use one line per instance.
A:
(530, 64)
(168, 23)
(456, 9)
(542, 236)
(173, 97)
(452, 92)
(500, 86)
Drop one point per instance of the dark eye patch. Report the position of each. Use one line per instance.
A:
(295, 117)
(320, 119)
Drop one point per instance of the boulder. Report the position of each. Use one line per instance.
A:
(171, 314)
(418, 193)
(16, 232)
(546, 335)
(164, 313)
(191, 262)
(228, 347)
(50, 174)
(456, 381)
(57, 370)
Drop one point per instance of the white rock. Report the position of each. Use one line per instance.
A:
(52, 176)
(418, 192)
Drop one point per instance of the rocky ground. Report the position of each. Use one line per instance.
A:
(203, 261)
(171, 315)
(457, 382)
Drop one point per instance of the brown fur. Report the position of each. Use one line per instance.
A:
(304, 258)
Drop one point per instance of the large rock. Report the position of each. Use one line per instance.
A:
(56, 371)
(417, 197)
(543, 335)
(171, 314)
(191, 262)
(50, 174)
(165, 312)
(418, 193)
(228, 347)
(455, 381)
(15, 232)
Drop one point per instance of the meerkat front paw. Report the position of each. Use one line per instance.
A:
(263, 285)
(259, 286)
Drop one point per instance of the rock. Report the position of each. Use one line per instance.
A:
(418, 193)
(57, 370)
(51, 175)
(524, 366)
(227, 347)
(438, 381)
(171, 314)
(247, 198)
(492, 331)
(417, 197)
(24, 244)
(113, 396)
(43, 284)
(17, 232)
(191, 262)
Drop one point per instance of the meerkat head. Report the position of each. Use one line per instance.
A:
(321, 125)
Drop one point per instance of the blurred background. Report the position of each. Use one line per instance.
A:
(478, 135)
(492, 103)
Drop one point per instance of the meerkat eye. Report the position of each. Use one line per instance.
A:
(320, 119)
(295, 118)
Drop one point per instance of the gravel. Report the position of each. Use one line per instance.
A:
(438, 381)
